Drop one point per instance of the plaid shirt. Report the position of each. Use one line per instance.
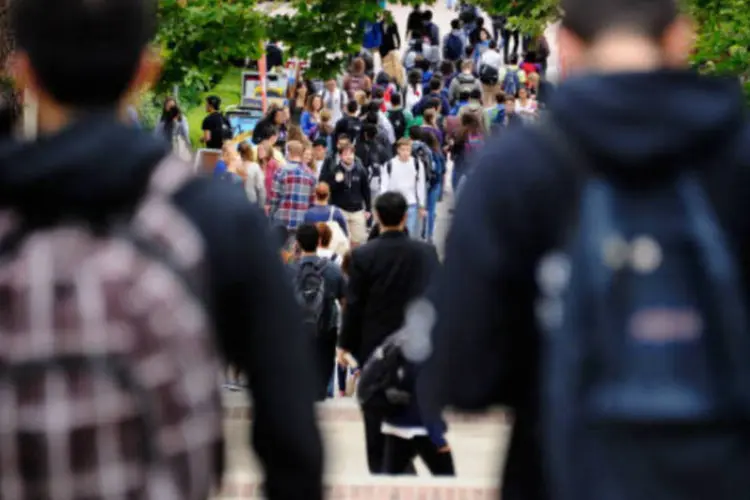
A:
(292, 194)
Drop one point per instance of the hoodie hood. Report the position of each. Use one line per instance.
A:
(97, 165)
(667, 120)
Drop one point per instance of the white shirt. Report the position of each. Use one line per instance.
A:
(412, 97)
(387, 126)
(336, 102)
(404, 179)
(492, 58)
(319, 167)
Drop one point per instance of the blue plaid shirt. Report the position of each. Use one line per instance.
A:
(292, 195)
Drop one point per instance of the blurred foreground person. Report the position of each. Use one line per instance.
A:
(625, 239)
(109, 363)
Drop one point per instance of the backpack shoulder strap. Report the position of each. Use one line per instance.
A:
(330, 215)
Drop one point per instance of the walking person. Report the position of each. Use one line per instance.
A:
(293, 190)
(405, 175)
(385, 276)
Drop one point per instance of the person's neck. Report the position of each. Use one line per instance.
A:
(321, 203)
(294, 160)
(54, 117)
(392, 229)
(403, 160)
(308, 254)
(623, 53)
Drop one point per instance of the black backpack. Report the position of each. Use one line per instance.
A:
(397, 117)
(227, 133)
(422, 154)
(309, 290)
(489, 75)
(453, 48)
(380, 391)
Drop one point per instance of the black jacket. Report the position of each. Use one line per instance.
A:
(385, 275)
(348, 125)
(350, 187)
(99, 167)
(391, 39)
(487, 345)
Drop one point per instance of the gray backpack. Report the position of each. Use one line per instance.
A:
(309, 290)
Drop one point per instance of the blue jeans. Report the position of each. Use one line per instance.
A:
(433, 196)
(412, 222)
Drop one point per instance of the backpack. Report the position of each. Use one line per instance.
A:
(380, 391)
(467, 14)
(474, 143)
(466, 83)
(423, 154)
(512, 82)
(497, 117)
(107, 346)
(309, 290)
(453, 48)
(339, 242)
(488, 75)
(227, 133)
(355, 83)
(646, 380)
(397, 117)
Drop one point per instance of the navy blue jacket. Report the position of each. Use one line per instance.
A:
(98, 166)
(634, 128)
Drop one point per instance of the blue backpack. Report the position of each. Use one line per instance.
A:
(453, 48)
(646, 370)
(511, 82)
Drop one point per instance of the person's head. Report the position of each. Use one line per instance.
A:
(347, 154)
(534, 79)
(314, 103)
(415, 132)
(500, 98)
(213, 103)
(470, 123)
(395, 100)
(173, 113)
(352, 107)
(169, 103)
(435, 84)
(277, 115)
(322, 193)
(480, 22)
(467, 66)
(246, 152)
(358, 66)
(447, 68)
(430, 117)
(325, 235)
(513, 59)
(325, 116)
(369, 131)
(432, 141)
(415, 78)
(263, 154)
(58, 42)
(229, 153)
(307, 238)
(294, 151)
(319, 149)
(433, 103)
(456, 24)
(464, 95)
(475, 95)
(483, 36)
(342, 141)
(307, 155)
(625, 34)
(273, 135)
(510, 105)
(390, 211)
(523, 93)
(427, 16)
(331, 84)
(360, 97)
(493, 45)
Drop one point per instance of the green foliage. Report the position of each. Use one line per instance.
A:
(529, 16)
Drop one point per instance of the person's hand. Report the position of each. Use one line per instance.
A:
(445, 449)
(423, 212)
(368, 215)
(342, 357)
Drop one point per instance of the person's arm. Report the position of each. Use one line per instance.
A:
(206, 130)
(421, 185)
(396, 35)
(350, 339)
(366, 192)
(260, 187)
(341, 220)
(368, 84)
(275, 193)
(385, 177)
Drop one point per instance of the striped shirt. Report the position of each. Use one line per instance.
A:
(292, 194)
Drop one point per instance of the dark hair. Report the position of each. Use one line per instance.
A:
(369, 131)
(391, 208)
(214, 101)
(416, 132)
(480, 22)
(447, 68)
(422, 64)
(415, 77)
(396, 99)
(500, 97)
(352, 106)
(456, 24)
(433, 103)
(513, 59)
(427, 16)
(67, 39)
(378, 93)
(435, 83)
(464, 95)
(429, 138)
(493, 44)
(589, 20)
(308, 237)
(475, 94)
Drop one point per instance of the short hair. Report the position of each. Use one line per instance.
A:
(464, 95)
(369, 131)
(430, 115)
(103, 40)
(435, 84)
(348, 146)
(352, 106)
(320, 142)
(456, 24)
(467, 64)
(513, 59)
(322, 191)
(422, 63)
(325, 115)
(396, 99)
(589, 20)
(325, 235)
(295, 148)
(358, 65)
(246, 152)
(475, 94)
(403, 142)
(308, 237)
(378, 93)
(447, 68)
(493, 44)
(500, 97)
(415, 132)
(427, 15)
(214, 101)
(433, 103)
(391, 208)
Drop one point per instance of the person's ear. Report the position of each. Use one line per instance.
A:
(571, 49)
(679, 41)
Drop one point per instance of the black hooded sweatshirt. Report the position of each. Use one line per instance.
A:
(99, 166)
(633, 128)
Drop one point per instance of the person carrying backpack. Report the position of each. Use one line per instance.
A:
(454, 43)
(606, 281)
(317, 284)
(463, 82)
(514, 77)
(127, 287)
(405, 173)
(399, 117)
